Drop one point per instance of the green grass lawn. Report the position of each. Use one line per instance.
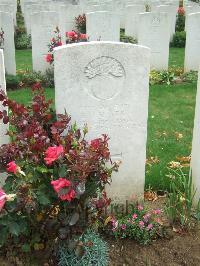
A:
(171, 112)
(24, 59)
(176, 57)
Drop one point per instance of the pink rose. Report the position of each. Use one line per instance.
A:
(12, 167)
(69, 196)
(53, 153)
(63, 183)
(2, 198)
(60, 183)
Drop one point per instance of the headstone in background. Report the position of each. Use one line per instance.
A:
(195, 162)
(132, 19)
(103, 26)
(154, 32)
(43, 25)
(192, 48)
(7, 25)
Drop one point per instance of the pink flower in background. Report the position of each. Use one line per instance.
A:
(12, 167)
(140, 208)
(146, 217)
(123, 227)
(149, 227)
(2, 198)
(157, 211)
(114, 224)
(53, 153)
(134, 216)
(141, 224)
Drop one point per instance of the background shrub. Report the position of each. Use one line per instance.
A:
(22, 41)
(180, 23)
(12, 82)
(179, 39)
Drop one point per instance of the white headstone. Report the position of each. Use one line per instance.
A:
(106, 85)
(43, 25)
(192, 54)
(67, 15)
(103, 26)
(7, 25)
(8, 9)
(195, 163)
(132, 19)
(4, 139)
(154, 33)
(171, 10)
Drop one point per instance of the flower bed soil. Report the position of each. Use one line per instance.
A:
(179, 250)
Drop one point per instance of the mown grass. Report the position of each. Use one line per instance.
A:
(171, 114)
(24, 59)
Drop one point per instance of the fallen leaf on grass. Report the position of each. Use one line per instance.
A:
(178, 136)
(152, 160)
(150, 196)
(174, 165)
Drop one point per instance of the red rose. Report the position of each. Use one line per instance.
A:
(53, 153)
(12, 167)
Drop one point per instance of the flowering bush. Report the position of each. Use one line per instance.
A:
(71, 37)
(140, 225)
(55, 173)
(81, 23)
(54, 42)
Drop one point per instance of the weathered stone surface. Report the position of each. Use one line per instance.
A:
(106, 85)
(195, 163)
(7, 25)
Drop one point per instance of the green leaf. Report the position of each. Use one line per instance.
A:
(26, 248)
(43, 199)
(14, 228)
(42, 169)
(62, 171)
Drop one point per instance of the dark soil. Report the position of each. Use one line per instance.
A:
(179, 250)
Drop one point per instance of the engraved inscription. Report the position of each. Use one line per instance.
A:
(104, 65)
